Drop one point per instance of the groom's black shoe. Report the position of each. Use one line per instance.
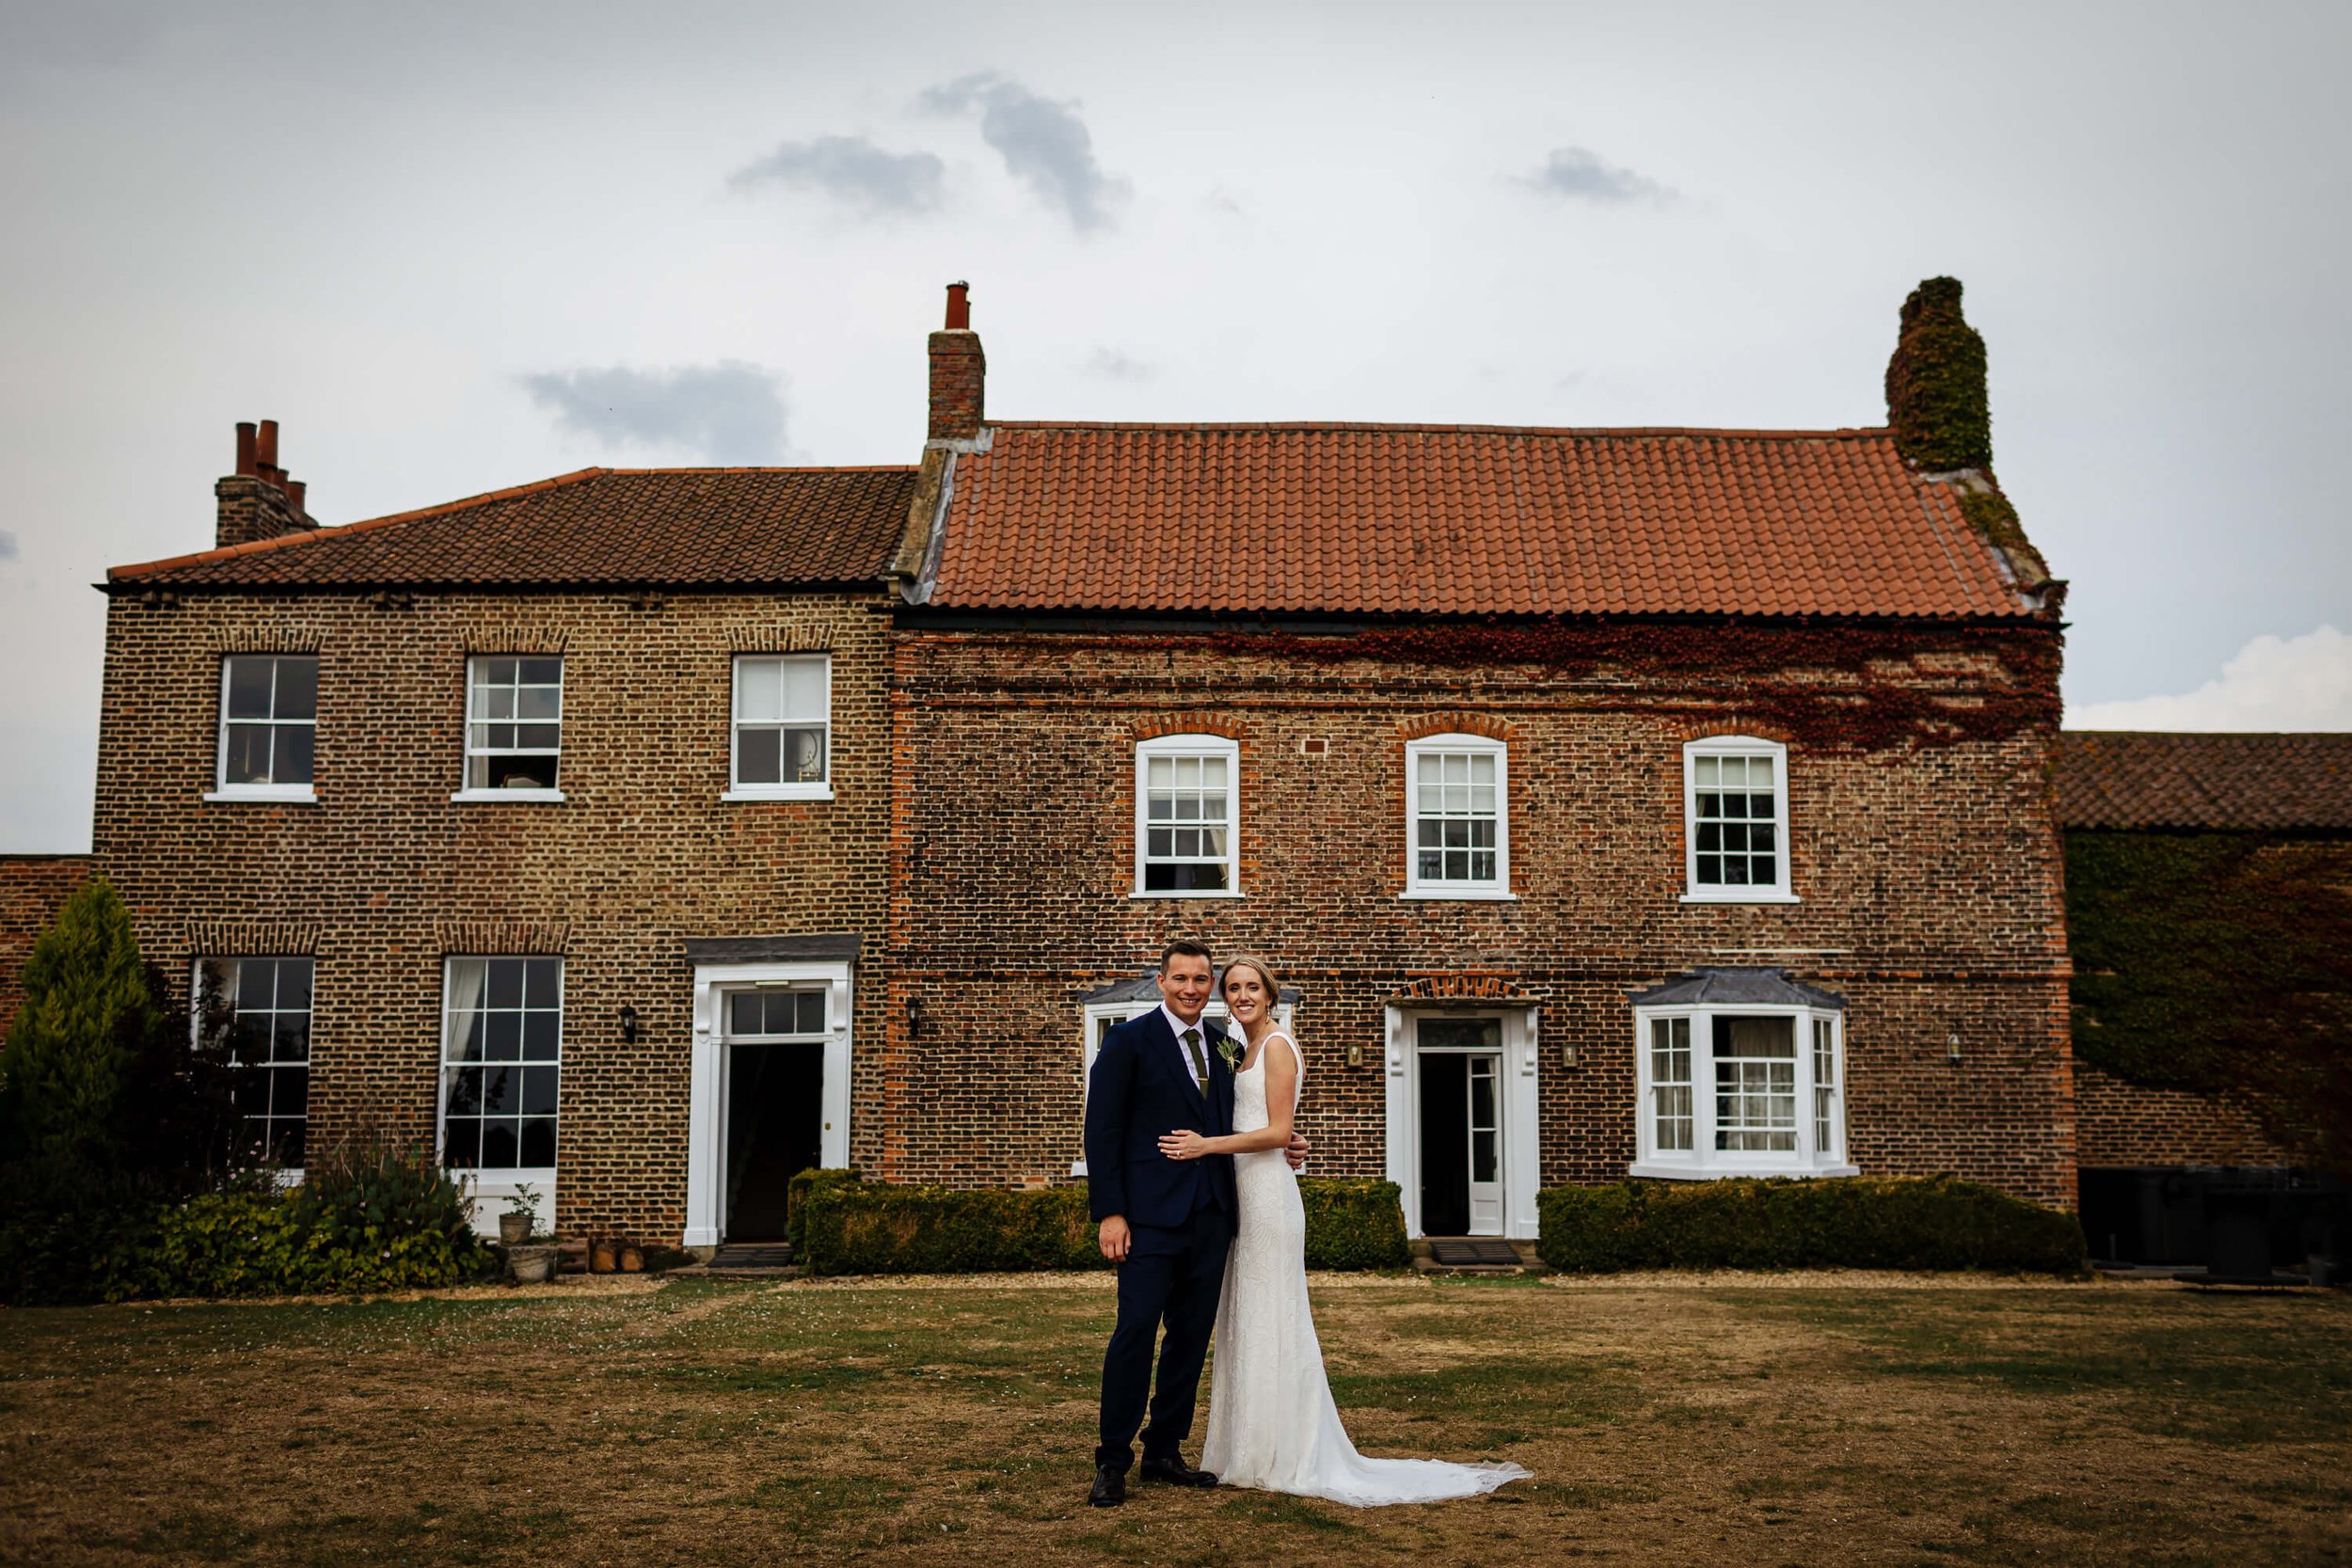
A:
(1174, 1471)
(1110, 1488)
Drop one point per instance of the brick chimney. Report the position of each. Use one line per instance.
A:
(959, 371)
(1935, 394)
(259, 501)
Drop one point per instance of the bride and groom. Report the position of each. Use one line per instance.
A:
(1191, 1164)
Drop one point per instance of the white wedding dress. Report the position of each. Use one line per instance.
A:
(1272, 1424)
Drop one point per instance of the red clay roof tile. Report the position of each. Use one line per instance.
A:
(2146, 779)
(650, 527)
(1459, 519)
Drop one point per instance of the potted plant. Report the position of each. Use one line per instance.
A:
(522, 1212)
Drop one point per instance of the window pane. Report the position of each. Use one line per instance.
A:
(758, 689)
(539, 1035)
(758, 756)
(293, 985)
(538, 1091)
(542, 671)
(743, 1012)
(496, 703)
(503, 1039)
(249, 681)
(539, 702)
(805, 756)
(464, 1092)
(297, 689)
(247, 755)
(461, 1144)
(803, 682)
(506, 983)
(542, 982)
(498, 1145)
(812, 1013)
(1160, 773)
(293, 1037)
(290, 764)
(538, 1141)
(497, 672)
(1482, 1157)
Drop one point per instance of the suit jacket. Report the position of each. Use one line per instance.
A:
(1142, 1087)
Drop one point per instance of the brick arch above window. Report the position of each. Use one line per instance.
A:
(1156, 726)
(784, 639)
(1458, 722)
(291, 937)
(542, 937)
(1683, 730)
(1465, 987)
(282, 636)
(514, 638)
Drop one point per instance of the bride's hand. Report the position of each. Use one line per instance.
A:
(1183, 1145)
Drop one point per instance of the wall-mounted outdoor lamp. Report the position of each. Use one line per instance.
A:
(914, 1014)
(628, 1025)
(1951, 1047)
(1355, 1055)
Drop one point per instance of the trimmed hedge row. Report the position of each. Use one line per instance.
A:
(1853, 1222)
(839, 1225)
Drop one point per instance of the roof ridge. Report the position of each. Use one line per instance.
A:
(1841, 433)
(312, 536)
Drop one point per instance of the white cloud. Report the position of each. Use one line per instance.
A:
(1580, 174)
(2300, 683)
(729, 412)
(854, 171)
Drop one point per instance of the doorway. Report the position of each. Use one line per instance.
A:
(1460, 1062)
(775, 1103)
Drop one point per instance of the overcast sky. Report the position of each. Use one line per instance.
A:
(454, 248)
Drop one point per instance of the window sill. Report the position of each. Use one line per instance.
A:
(1732, 896)
(1464, 894)
(289, 795)
(478, 797)
(800, 792)
(1661, 1171)
(1172, 892)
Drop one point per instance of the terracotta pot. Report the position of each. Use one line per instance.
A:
(632, 1258)
(602, 1257)
(530, 1265)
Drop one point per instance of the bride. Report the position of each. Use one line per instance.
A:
(1272, 1423)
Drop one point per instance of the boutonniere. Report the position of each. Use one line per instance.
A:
(1229, 1049)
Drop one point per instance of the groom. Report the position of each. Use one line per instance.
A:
(1166, 1222)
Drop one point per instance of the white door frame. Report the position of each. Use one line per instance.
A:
(1523, 1149)
(705, 1115)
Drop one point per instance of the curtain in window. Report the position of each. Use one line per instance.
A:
(463, 1041)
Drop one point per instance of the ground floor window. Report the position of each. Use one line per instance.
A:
(1740, 1090)
(501, 1052)
(264, 1005)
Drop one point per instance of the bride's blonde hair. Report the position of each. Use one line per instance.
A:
(1265, 977)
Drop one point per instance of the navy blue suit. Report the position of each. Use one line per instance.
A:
(1180, 1214)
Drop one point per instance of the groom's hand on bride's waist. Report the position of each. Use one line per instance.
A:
(1114, 1237)
(1296, 1151)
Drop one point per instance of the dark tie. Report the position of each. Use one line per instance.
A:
(1200, 1063)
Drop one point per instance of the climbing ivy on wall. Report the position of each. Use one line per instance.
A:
(1935, 386)
(2220, 963)
(1834, 687)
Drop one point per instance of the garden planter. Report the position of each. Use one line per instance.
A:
(513, 1230)
(530, 1265)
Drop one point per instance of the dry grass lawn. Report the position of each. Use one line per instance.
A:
(1739, 1421)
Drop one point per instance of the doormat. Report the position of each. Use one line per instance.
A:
(752, 1255)
(1471, 1252)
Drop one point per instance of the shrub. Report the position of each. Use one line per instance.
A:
(843, 1226)
(796, 1199)
(1354, 1224)
(1852, 1222)
(75, 1047)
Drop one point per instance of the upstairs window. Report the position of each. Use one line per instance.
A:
(514, 726)
(269, 710)
(1736, 821)
(1457, 808)
(1186, 843)
(266, 1004)
(782, 728)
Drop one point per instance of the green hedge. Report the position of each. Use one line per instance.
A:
(1852, 1222)
(842, 1226)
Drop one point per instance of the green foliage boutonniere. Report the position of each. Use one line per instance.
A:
(1229, 1049)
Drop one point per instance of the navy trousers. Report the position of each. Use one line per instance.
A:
(1173, 1276)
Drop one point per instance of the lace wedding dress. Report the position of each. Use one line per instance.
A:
(1272, 1424)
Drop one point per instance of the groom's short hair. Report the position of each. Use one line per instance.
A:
(1189, 948)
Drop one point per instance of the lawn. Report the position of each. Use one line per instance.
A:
(1739, 1421)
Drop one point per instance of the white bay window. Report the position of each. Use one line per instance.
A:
(1740, 1072)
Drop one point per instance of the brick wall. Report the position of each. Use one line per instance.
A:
(1930, 881)
(2127, 1124)
(32, 889)
(384, 875)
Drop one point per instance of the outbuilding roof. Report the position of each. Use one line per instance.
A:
(2290, 783)
(1721, 987)
(599, 527)
(1460, 519)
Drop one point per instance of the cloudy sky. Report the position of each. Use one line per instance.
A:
(457, 248)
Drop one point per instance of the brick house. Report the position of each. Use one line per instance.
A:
(1665, 801)
(1653, 801)
(501, 822)
(2145, 816)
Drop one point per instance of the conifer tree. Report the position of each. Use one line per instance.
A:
(71, 1067)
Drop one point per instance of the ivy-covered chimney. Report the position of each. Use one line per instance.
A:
(1935, 395)
(959, 371)
(260, 501)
